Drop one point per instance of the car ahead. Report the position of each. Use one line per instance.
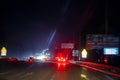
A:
(30, 60)
(61, 60)
(9, 59)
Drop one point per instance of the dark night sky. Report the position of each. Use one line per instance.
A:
(26, 25)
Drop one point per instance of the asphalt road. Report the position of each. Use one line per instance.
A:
(49, 71)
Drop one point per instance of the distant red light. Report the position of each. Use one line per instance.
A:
(105, 60)
(31, 59)
(61, 57)
(64, 64)
(12, 59)
(64, 60)
(58, 59)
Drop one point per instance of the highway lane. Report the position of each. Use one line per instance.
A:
(50, 71)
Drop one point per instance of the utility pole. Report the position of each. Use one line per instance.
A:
(106, 17)
(106, 27)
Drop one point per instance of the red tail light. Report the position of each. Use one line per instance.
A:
(64, 64)
(61, 57)
(30, 59)
(64, 60)
(105, 60)
(58, 59)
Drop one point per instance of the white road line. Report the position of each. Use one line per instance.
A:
(3, 73)
(53, 77)
(108, 77)
(27, 74)
(6, 72)
(84, 68)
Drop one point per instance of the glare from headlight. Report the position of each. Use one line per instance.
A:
(41, 57)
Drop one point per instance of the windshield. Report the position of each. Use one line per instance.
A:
(59, 40)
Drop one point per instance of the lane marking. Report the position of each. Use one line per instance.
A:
(84, 76)
(108, 77)
(27, 74)
(3, 73)
(53, 77)
(19, 73)
(7, 72)
(84, 68)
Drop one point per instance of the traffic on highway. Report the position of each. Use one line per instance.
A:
(51, 70)
(59, 40)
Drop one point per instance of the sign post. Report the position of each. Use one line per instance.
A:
(84, 53)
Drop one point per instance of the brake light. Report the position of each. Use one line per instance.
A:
(58, 59)
(61, 57)
(30, 60)
(64, 64)
(64, 60)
